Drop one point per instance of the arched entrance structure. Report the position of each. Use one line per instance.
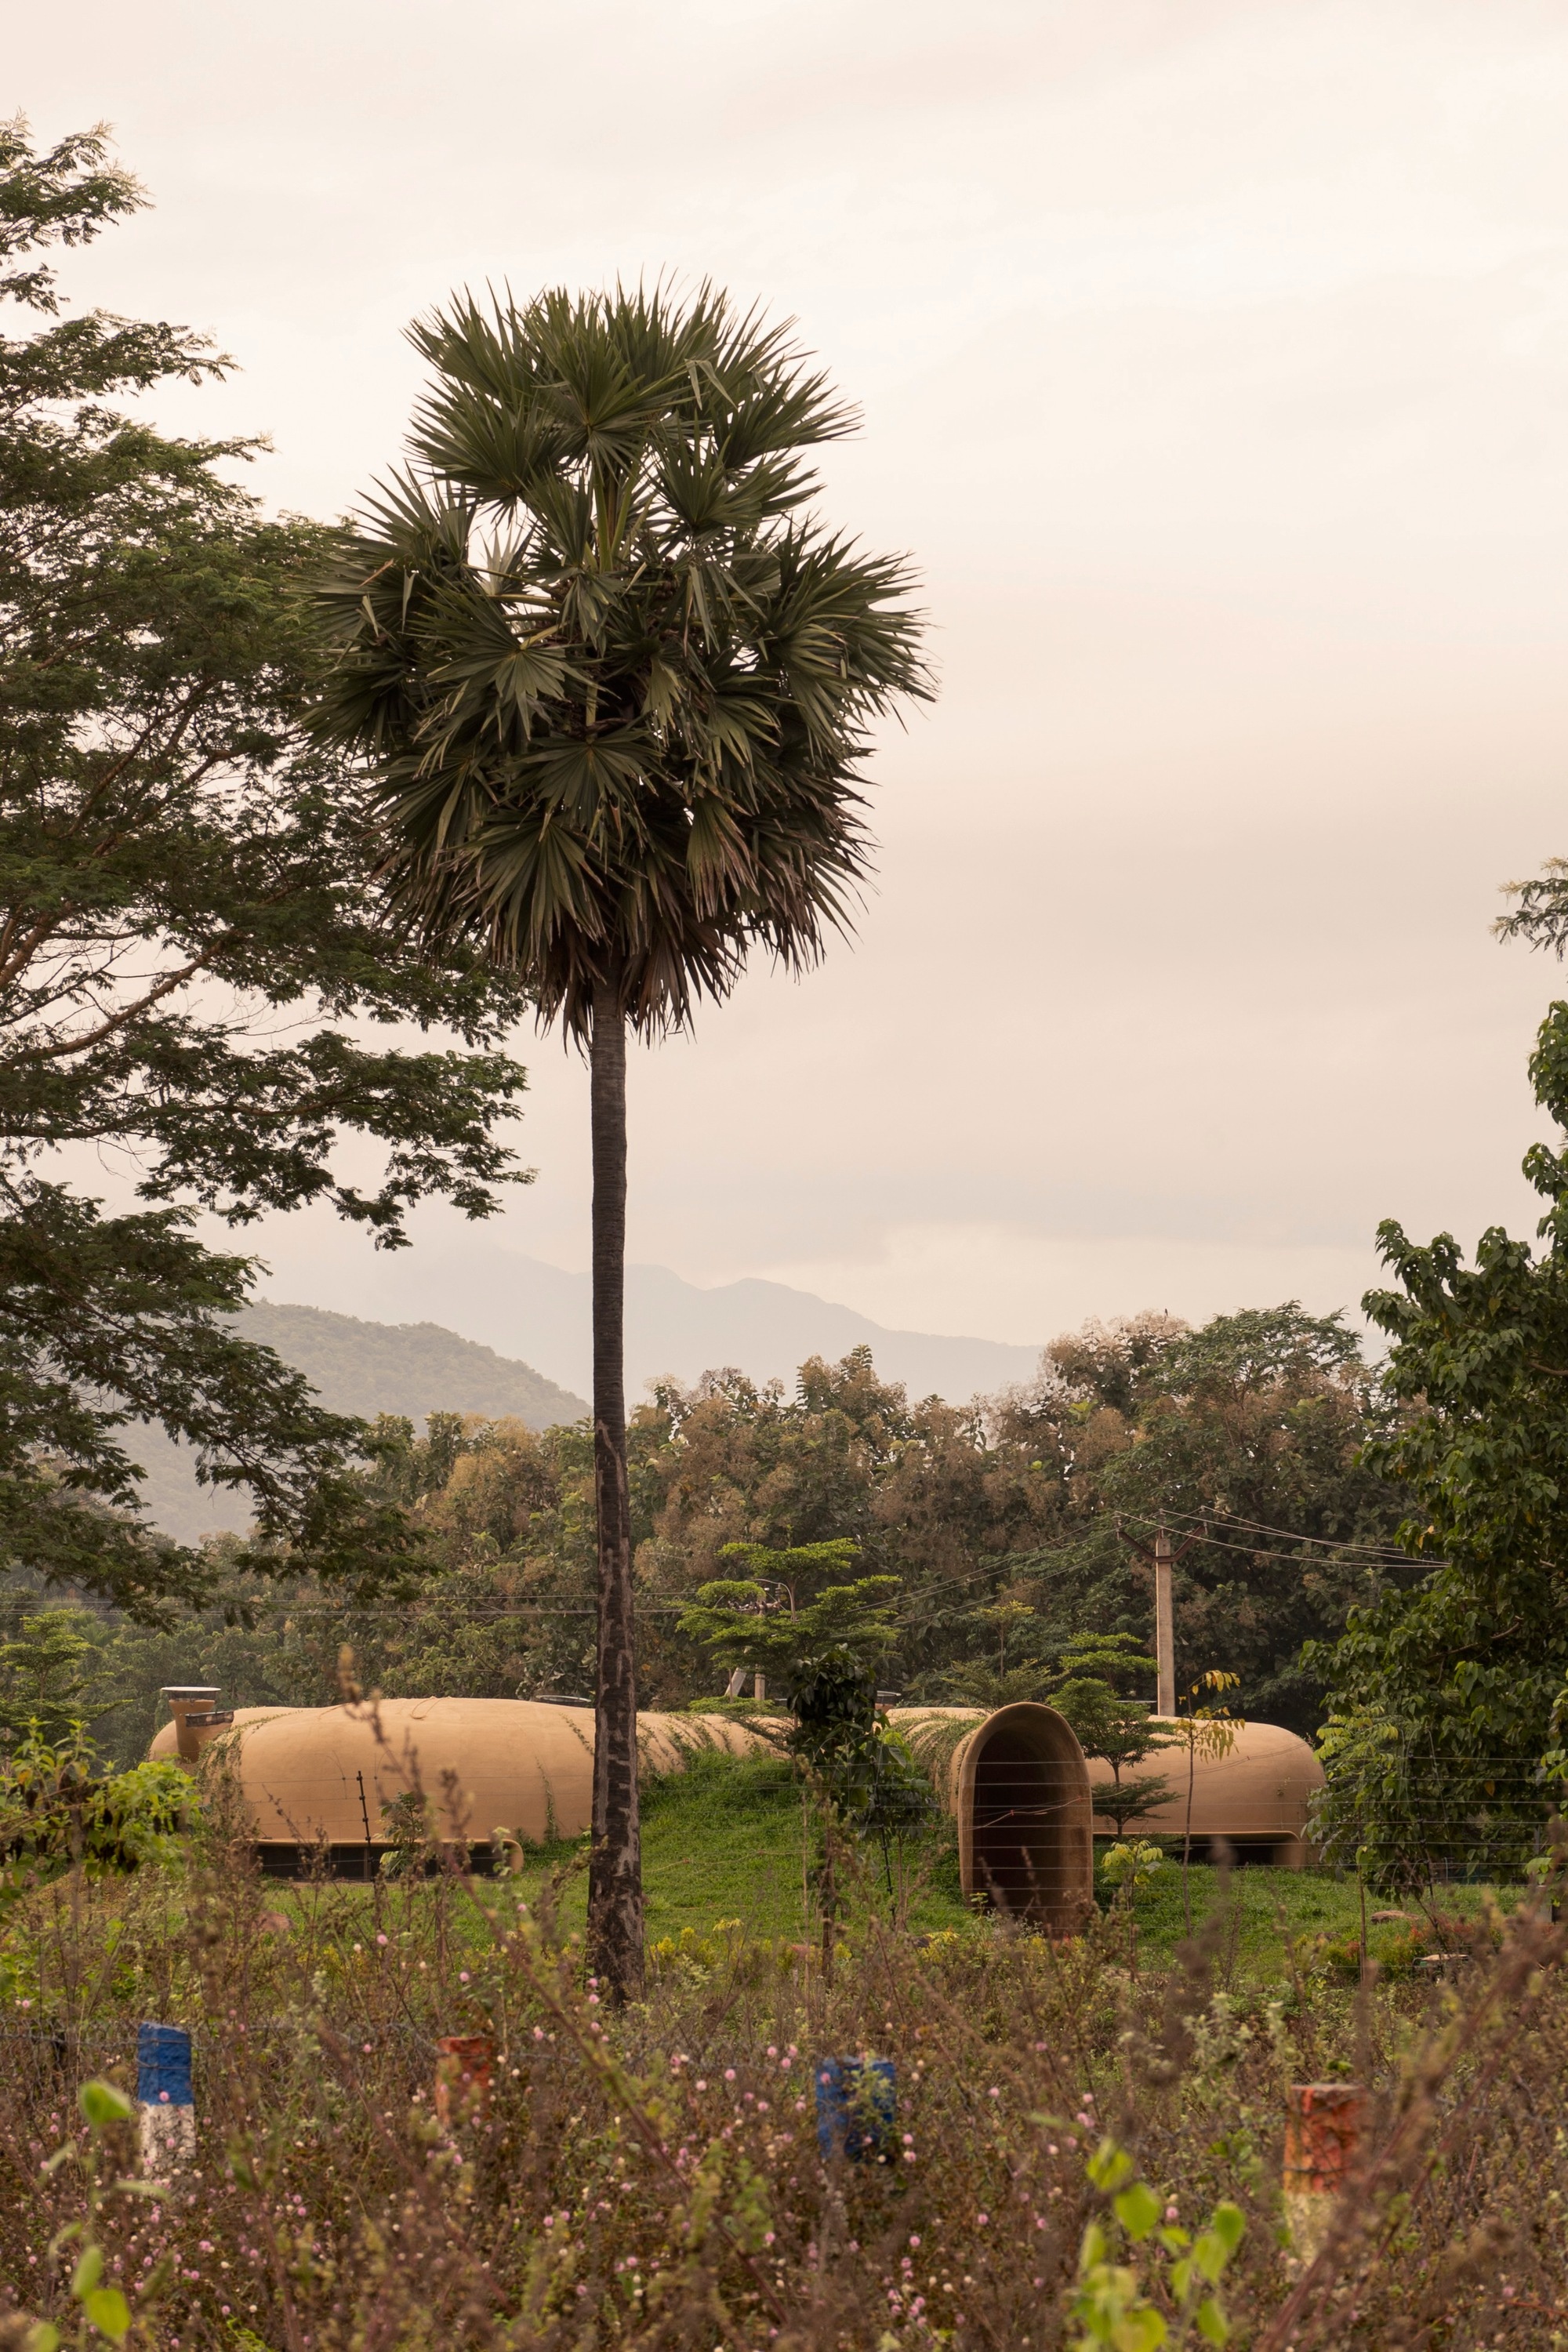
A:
(1026, 1845)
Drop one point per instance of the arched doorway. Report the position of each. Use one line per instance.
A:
(1026, 1842)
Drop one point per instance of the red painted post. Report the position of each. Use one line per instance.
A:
(464, 2064)
(1324, 2124)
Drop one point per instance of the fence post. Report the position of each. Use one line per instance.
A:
(1324, 2123)
(168, 2113)
(464, 2064)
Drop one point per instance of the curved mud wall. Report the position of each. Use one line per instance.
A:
(315, 1774)
(1019, 1787)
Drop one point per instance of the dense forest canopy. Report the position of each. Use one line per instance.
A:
(1002, 1521)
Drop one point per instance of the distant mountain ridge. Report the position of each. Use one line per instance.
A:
(412, 1369)
(520, 1305)
(355, 1367)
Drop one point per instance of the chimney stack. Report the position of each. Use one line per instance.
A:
(196, 1713)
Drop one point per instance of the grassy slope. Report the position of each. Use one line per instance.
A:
(722, 1840)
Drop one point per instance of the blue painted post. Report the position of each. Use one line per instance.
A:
(856, 2108)
(163, 2094)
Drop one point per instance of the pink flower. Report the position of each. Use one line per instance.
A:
(729, 2073)
(916, 2245)
(982, 2220)
(382, 1939)
(462, 1976)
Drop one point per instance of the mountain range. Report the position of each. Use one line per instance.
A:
(674, 1329)
(469, 1282)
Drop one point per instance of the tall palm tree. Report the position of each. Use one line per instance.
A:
(614, 683)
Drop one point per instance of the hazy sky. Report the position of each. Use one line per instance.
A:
(1213, 361)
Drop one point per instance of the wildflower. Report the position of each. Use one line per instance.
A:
(462, 1976)
(982, 2221)
(994, 2093)
(384, 1939)
(729, 2073)
(915, 2244)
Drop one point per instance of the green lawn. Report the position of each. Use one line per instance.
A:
(722, 1840)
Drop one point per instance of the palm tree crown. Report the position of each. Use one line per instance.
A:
(613, 681)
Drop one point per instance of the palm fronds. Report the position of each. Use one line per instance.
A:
(613, 684)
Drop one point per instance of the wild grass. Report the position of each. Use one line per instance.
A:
(654, 2178)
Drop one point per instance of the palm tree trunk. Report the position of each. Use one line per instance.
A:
(614, 1867)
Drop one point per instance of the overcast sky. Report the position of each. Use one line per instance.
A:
(1214, 360)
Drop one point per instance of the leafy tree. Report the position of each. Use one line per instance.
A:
(1443, 1696)
(918, 1487)
(824, 1657)
(190, 928)
(1204, 1726)
(1119, 1729)
(1248, 1434)
(58, 1808)
(51, 1677)
(612, 685)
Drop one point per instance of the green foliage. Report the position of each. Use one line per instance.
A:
(1109, 1724)
(106, 2313)
(1123, 2306)
(1131, 1867)
(823, 1657)
(57, 1807)
(46, 1687)
(1003, 1528)
(1442, 1696)
(190, 925)
(613, 684)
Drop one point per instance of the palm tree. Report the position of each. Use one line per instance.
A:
(614, 685)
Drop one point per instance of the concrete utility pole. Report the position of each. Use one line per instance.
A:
(1163, 1560)
(1164, 1630)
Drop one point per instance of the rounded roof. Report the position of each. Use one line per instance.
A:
(526, 1767)
(520, 1765)
(1261, 1789)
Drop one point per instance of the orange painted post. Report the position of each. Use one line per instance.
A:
(464, 2064)
(1324, 2125)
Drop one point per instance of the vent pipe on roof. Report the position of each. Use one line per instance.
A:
(196, 1713)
